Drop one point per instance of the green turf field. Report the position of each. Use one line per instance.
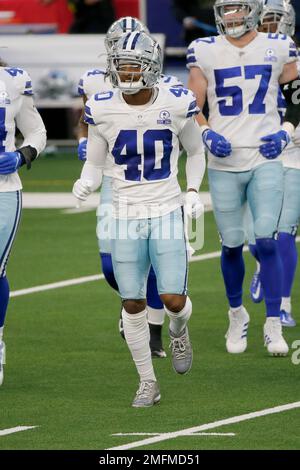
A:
(58, 172)
(70, 374)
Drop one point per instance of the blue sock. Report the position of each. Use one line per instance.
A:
(153, 299)
(253, 251)
(289, 257)
(270, 274)
(233, 269)
(4, 297)
(107, 269)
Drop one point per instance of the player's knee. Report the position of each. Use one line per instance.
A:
(233, 238)
(107, 269)
(266, 246)
(290, 228)
(134, 306)
(265, 227)
(231, 253)
(173, 302)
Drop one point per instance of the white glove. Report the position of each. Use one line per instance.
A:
(193, 205)
(82, 189)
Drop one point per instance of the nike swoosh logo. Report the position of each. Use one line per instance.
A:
(256, 294)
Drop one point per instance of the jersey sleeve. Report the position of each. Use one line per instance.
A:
(31, 125)
(95, 108)
(21, 80)
(191, 107)
(185, 104)
(287, 48)
(293, 55)
(170, 81)
(198, 52)
(86, 83)
(90, 112)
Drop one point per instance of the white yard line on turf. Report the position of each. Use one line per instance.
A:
(205, 427)
(6, 432)
(82, 280)
(99, 277)
(187, 434)
(57, 285)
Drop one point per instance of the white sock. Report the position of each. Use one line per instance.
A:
(137, 335)
(178, 321)
(236, 309)
(1, 332)
(156, 316)
(286, 304)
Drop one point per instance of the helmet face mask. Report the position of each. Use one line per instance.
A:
(288, 24)
(135, 63)
(235, 18)
(278, 16)
(272, 16)
(127, 24)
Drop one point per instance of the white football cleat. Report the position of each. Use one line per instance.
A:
(148, 394)
(2, 361)
(236, 336)
(274, 341)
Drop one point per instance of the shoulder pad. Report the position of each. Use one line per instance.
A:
(86, 78)
(21, 79)
(93, 111)
(187, 103)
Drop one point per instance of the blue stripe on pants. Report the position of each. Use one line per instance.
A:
(10, 213)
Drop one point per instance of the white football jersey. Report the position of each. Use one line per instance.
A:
(95, 81)
(92, 82)
(169, 81)
(17, 110)
(143, 148)
(242, 92)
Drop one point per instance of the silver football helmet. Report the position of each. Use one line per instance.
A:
(127, 24)
(288, 25)
(273, 14)
(235, 18)
(135, 63)
(55, 84)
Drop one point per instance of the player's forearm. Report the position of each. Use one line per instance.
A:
(195, 169)
(190, 138)
(82, 128)
(31, 125)
(198, 83)
(36, 139)
(201, 120)
(92, 174)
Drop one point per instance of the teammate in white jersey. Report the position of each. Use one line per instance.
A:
(279, 17)
(239, 72)
(92, 82)
(17, 110)
(137, 126)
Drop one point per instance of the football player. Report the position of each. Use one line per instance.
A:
(94, 81)
(137, 126)
(17, 110)
(280, 18)
(239, 72)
